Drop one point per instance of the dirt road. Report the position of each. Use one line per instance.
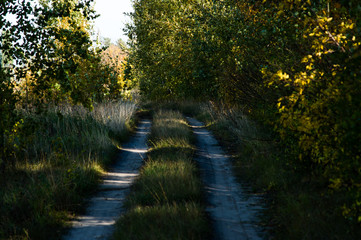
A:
(106, 207)
(233, 211)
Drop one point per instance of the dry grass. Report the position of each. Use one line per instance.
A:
(116, 116)
(59, 161)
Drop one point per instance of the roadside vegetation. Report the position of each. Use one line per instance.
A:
(166, 200)
(293, 67)
(62, 155)
(63, 112)
(282, 78)
(296, 207)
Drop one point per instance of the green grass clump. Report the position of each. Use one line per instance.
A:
(166, 200)
(59, 160)
(163, 222)
(165, 182)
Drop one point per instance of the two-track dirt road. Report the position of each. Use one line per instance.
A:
(233, 211)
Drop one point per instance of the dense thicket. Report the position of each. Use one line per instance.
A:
(299, 61)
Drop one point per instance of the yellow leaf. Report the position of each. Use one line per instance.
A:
(282, 75)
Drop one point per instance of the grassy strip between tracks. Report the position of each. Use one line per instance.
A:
(166, 200)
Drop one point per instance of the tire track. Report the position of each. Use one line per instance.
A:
(233, 212)
(106, 207)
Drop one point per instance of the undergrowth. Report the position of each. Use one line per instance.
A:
(59, 159)
(298, 204)
(166, 200)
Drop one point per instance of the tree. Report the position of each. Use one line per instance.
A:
(48, 41)
(122, 45)
(161, 35)
(106, 42)
(298, 61)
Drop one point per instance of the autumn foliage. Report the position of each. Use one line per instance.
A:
(296, 62)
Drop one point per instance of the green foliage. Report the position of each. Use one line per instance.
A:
(7, 119)
(115, 61)
(49, 45)
(59, 158)
(51, 50)
(163, 222)
(298, 206)
(320, 94)
(47, 57)
(163, 57)
(295, 62)
(36, 44)
(122, 45)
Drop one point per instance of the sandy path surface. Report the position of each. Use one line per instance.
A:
(106, 207)
(232, 210)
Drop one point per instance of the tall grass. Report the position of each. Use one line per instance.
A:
(60, 158)
(166, 200)
(253, 148)
(297, 206)
(115, 116)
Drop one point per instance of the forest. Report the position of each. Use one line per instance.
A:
(291, 67)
